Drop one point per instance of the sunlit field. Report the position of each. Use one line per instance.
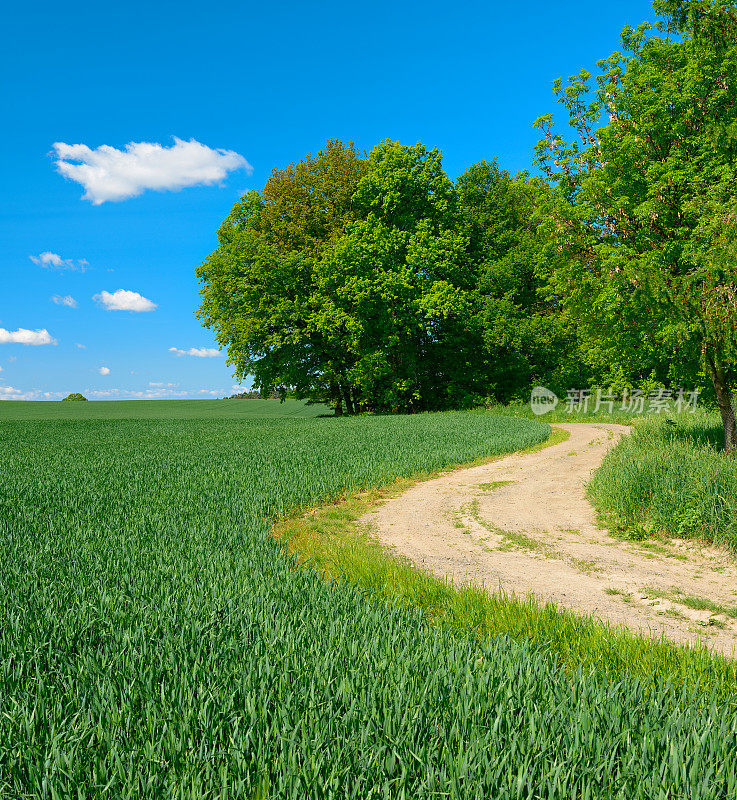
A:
(156, 640)
(159, 409)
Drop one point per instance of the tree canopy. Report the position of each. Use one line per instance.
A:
(373, 282)
(644, 208)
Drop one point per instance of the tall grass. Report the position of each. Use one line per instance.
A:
(670, 476)
(157, 642)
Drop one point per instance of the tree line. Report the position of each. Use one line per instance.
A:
(376, 282)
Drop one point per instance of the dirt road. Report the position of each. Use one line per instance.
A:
(523, 523)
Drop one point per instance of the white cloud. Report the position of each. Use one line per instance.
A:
(124, 300)
(213, 392)
(11, 393)
(67, 300)
(161, 385)
(237, 388)
(81, 346)
(197, 352)
(55, 261)
(104, 370)
(23, 336)
(131, 394)
(107, 173)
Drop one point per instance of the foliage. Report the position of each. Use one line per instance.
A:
(527, 338)
(418, 295)
(638, 199)
(75, 396)
(392, 295)
(155, 640)
(258, 283)
(668, 477)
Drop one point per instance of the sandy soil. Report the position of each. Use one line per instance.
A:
(523, 523)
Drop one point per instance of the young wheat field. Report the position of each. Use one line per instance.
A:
(157, 641)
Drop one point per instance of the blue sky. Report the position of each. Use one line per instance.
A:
(268, 82)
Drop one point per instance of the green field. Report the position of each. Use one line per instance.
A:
(156, 641)
(158, 409)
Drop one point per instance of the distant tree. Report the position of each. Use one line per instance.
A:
(255, 396)
(75, 396)
(643, 217)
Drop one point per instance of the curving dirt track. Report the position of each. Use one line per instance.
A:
(523, 524)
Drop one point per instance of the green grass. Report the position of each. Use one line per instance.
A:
(670, 477)
(156, 641)
(675, 595)
(334, 542)
(158, 409)
(493, 486)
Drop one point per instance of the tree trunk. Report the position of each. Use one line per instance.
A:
(335, 397)
(348, 400)
(726, 409)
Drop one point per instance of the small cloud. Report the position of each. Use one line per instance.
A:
(160, 385)
(213, 392)
(124, 300)
(197, 352)
(238, 388)
(104, 370)
(10, 393)
(80, 346)
(107, 173)
(55, 261)
(24, 336)
(67, 300)
(1, 369)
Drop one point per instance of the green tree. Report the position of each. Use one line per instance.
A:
(349, 280)
(527, 337)
(258, 283)
(74, 396)
(394, 293)
(641, 212)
